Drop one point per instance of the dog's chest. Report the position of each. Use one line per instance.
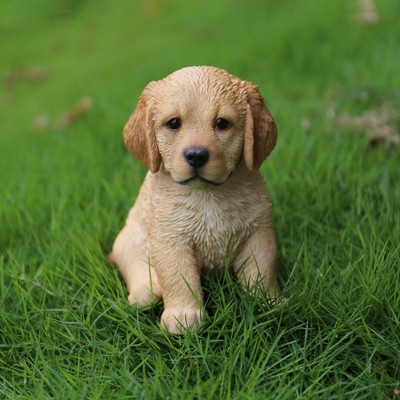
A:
(218, 234)
(212, 227)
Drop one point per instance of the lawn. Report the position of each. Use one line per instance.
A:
(71, 74)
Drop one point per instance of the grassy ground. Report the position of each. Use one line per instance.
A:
(66, 330)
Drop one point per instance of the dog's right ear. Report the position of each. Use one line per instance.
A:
(260, 132)
(139, 132)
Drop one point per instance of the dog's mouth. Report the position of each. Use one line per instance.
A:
(199, 178)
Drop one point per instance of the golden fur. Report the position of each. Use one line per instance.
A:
(190, 217)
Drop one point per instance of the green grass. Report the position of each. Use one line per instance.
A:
(66, 330)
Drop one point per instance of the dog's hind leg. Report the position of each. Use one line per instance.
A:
(255, 264)
(130, 254)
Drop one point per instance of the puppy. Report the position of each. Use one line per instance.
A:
(203, 134)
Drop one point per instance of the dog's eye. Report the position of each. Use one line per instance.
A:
(222, 124)
(174, 123)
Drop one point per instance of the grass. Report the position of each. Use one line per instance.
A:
(66, 330)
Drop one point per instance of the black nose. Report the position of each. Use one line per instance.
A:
(196, 156)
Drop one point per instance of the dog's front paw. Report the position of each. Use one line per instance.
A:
(177, 320)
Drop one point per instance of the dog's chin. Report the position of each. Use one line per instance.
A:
(200, 181)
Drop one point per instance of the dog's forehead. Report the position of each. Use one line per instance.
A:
(205, 83)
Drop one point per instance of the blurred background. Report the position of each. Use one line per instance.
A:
(311, 60)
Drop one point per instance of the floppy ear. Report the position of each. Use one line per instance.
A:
(139, 133)
(260, 131)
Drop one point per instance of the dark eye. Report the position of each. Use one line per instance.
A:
(174, 123)
(222, 124)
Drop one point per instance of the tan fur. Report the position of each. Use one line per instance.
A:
(181, 224)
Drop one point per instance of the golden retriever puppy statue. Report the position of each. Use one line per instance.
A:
(203, 134)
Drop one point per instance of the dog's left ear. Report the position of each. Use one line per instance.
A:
(139, 132)
(260, 131)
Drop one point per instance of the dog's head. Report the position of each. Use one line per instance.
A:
(199, 123)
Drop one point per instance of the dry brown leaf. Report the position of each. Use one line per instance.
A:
(40, 122)
(35, 74)
(67, 118)
(305, 124)
(379, 124)
(32, 74)
(365, 13)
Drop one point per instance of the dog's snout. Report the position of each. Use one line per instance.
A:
(196, 156)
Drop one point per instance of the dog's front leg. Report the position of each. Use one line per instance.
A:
(256, 262)
(179, 278)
